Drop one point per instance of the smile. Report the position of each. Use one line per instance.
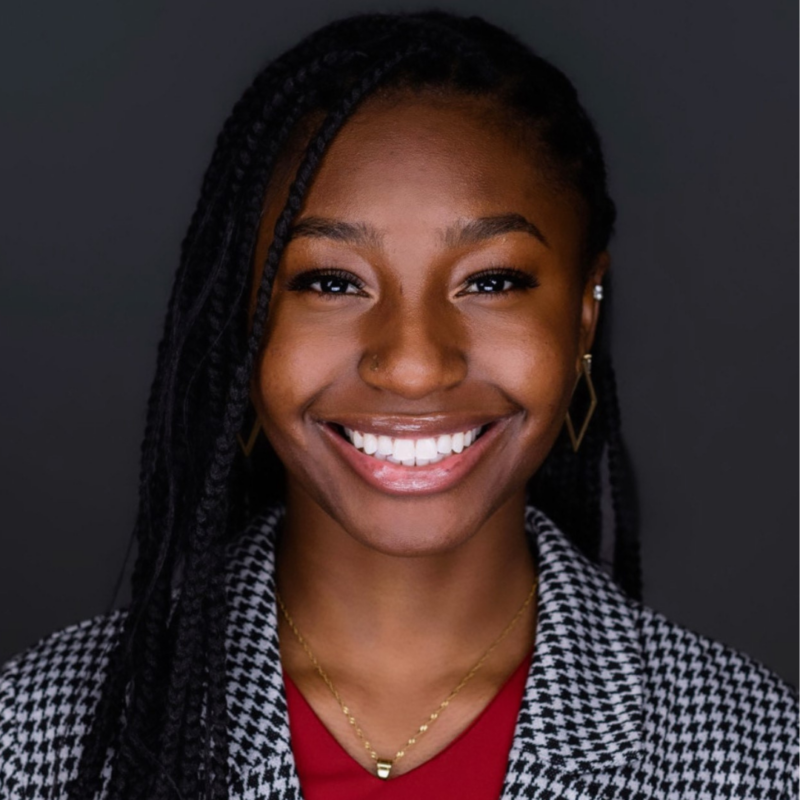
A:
(413, 452)
(404, 465)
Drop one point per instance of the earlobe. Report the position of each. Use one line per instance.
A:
(593, 293)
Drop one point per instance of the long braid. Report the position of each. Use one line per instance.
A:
(151, 501)
(216, 743)
(163, 706)
(626, 542)
(591, 520)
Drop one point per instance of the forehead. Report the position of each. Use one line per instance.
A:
(412, 162)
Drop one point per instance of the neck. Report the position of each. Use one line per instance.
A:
(355, 604)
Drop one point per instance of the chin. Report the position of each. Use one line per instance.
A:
(414, 527)
(407, 542)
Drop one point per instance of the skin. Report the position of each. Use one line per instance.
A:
(399, 595)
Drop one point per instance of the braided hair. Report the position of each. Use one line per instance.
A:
(162, 716)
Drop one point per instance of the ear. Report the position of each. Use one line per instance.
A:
(590, 307)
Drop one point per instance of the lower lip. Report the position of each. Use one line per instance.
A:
(429, 479)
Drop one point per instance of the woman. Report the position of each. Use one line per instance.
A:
(381, 387)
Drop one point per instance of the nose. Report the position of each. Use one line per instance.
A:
(413, 352)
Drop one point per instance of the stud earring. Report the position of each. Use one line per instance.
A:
(597, 292)
(251, 440)
(586, 371)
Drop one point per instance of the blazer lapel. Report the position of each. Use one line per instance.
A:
(582, 706)
(261, 761)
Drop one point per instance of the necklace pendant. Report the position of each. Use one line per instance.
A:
(384, 767)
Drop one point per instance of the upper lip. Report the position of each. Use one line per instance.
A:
(397, 426)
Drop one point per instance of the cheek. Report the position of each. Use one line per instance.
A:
(299, 360)
(532, 359)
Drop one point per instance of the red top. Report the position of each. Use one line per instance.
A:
(471, 767)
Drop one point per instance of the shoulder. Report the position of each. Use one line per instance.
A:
(685, 715)
(48, 694)
(709, 701)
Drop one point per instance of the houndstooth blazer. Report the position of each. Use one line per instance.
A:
(619, 702)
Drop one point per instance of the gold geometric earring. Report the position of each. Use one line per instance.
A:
(248, 448)
(586, 369)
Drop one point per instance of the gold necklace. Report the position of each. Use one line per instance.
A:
(384, 765)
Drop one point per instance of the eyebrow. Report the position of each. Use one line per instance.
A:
(358, 233)
(482, 228)
(458, 235)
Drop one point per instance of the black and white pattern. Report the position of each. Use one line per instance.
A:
(619, 702)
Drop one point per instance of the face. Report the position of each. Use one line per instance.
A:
(426, 325)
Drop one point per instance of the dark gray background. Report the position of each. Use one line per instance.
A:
(109, 113)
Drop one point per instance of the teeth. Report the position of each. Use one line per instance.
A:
(403, 449)
(425, 449)
(385, 446)
(412, 452)
(370, 444)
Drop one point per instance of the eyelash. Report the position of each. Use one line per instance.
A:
(305, 280)
(522, 280)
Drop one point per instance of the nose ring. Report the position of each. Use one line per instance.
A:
(374, 364)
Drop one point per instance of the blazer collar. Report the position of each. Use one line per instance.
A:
(582, 705)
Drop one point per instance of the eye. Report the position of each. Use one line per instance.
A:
(499, 280)
(327, 282)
